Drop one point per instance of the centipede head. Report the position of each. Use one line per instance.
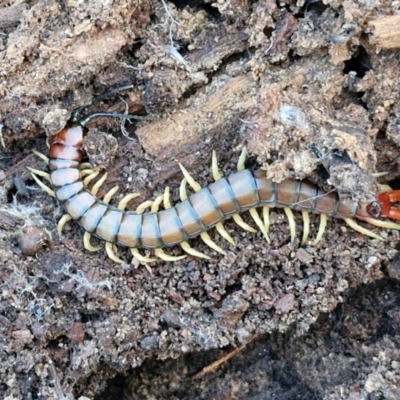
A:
(384, 207)
(68, 143)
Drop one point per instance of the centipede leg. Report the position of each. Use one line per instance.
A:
(125, 200)
(63, 220)
(260, 224)
(204, 235)
(266, 218)
(306, 226)
(239, 221)
(160, 252)
(110, 252)
(42, 156)
(140, 258)
(98, 184)
(87, 180)
(216, 173)
(43, 174)
(292, 223)
(87, 244)
(382, 224)
(353, 224)
(43, 186)
(322, 225)
(242, 159)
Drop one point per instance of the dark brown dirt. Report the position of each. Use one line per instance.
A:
(314, 93)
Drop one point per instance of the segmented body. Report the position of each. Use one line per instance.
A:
(202, 211)
(235, 194)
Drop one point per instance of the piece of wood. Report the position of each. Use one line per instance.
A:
(386, 31)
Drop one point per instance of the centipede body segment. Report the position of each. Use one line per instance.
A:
(207, 208)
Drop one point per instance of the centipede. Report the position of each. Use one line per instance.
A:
(157, 224)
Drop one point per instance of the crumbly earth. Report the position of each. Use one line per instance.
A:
(311, 87)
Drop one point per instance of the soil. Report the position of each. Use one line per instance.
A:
(311, 88)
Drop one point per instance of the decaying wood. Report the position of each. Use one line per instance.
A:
(386, 31)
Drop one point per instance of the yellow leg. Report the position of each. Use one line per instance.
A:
(186, 247)
(353, 224)
(322, 225)
(267, 222)
(383, 224)
(43, 186)
(87, 244)
(205, 237)
(98, 184)
(260, 224)
(239, 221)
(42, 156)
(306, 226)
(87, 180)
(111, 254)
(64, 219)
(141, 208)
(292, 223)
(140, 258)
(221, 230)
(107, 198)
(214, 167)
(166, 257)
(194, 185)
(242, 159)
(124, 201)
(43, 174)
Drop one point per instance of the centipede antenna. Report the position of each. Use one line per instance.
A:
(42, 156)
(63, 220)
(259, 223)
(306, 226)
(193, 184)
(156, 204)
(242, 159)
(382, 224)
(214, 167)
(110, 194)
(186, 247)
(292, 223)
(266, 218)
(166, 257)
(98, 184)
(87, 244)
(43, 174)
(75, 114)
(239, 221)
(362, 230)
(111, 254)
(125, 200)
(205, 237)
(323, 219)
(43, 186)
(221, 230)
(182, 190)
(140, 258)
(90, 177)
(85, 120)
(141, 208)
